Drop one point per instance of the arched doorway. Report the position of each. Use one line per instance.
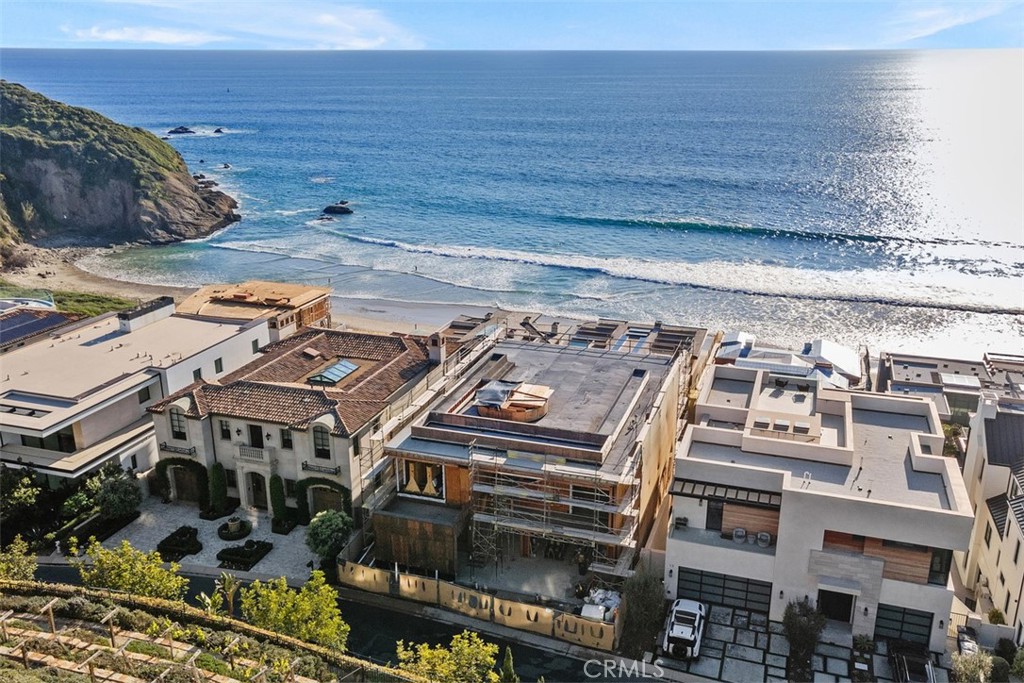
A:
(257, 484)
(323, 498)
(186, 484)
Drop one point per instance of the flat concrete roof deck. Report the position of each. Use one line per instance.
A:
(881, 464)
(86, 357)
(734, 393)
(592, 389)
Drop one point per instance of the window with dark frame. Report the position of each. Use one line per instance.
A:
(144, 394)
(197, 374)
(177, 419)
(289, 488)
(232, 477)
(218, 365)
(286, 439)
(321, 443)
(225, 430)
(988, 535)
(255, 345)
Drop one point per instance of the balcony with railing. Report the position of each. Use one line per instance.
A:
(252, 454)
(180, 450)
(322, 469)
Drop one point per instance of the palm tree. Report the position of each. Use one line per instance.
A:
(228, 584)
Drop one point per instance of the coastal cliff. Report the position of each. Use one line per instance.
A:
(72, 175)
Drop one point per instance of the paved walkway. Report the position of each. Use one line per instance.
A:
(290, 556)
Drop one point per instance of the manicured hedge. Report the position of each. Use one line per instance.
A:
(244, 557)
(202, 478)
(181, 542)
(244, 529)
(218, 488)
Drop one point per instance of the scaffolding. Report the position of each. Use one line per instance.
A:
(559, 507)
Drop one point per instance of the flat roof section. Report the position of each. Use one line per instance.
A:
(734, 393)
(96, 355)
(592, 389)
(882, 462)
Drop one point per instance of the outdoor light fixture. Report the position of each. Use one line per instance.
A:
(238, 432)
(942, 624)
(267, 435)
(781, 594)
(865, 611)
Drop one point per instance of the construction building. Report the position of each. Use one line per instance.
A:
(286, 306)
(543, 450)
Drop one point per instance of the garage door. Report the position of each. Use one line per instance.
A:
(901, 623)
(724, 589)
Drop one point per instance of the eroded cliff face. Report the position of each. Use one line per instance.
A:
(73, 174)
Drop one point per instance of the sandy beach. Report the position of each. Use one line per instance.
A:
(55, 268)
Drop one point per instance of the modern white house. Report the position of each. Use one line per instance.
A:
(76, 399)
(785, 489)
(306, 410)
(993, 569)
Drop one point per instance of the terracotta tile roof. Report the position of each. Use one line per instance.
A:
(272, 388)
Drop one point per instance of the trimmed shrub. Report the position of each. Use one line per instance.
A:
(244, 557)
(226, 534)
(1006, 649)
(118, 498)
(181, 542)
(328, 532)
(277, 498)
(1000, 670)
(995, 616)
(218, 488)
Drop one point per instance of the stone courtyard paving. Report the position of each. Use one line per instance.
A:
(738, 645)
(290, 556)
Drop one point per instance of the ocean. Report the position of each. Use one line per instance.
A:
(874, 198)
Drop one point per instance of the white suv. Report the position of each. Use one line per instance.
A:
(684, 629)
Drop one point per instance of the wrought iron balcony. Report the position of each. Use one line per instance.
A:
(309, 467)
(191, 450)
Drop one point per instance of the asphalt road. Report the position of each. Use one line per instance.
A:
(375, 632)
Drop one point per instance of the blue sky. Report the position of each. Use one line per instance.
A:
(531, 25)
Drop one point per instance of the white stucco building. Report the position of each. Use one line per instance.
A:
(993, 569)
(785, 489)
(76, 399)
(305, 410)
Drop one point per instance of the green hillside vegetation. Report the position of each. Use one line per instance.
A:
(70, 170)
(81, 303)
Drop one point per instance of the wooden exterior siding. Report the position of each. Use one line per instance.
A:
(416, 542)
(753, 519)
(837, 540)
(456, 481)
(901, 564)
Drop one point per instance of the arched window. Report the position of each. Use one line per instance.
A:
(321, 443)
(178, 424)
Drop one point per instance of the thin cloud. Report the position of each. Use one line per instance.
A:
(917, 21)
(322, 24)
(145, 35)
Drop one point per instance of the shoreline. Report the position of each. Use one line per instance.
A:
(55, 268)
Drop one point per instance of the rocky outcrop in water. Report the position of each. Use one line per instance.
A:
(73, 174)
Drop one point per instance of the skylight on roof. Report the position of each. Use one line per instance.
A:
(335, 373)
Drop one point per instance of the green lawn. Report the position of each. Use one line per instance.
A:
(71, 302)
